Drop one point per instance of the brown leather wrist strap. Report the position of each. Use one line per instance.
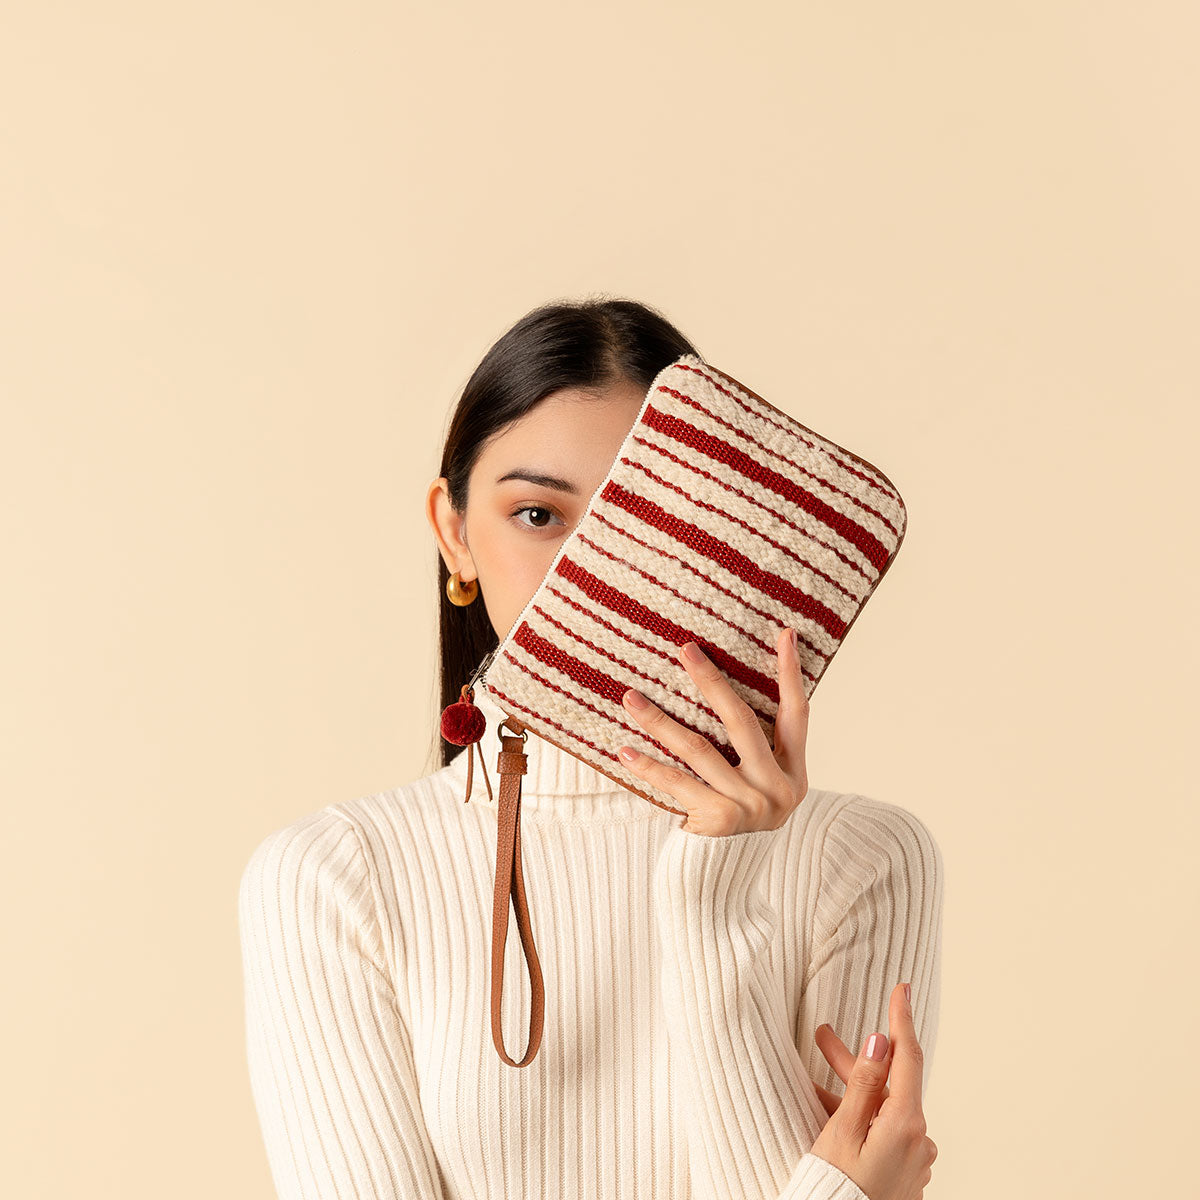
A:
(511, 765)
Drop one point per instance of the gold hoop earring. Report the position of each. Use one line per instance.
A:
(461, 593)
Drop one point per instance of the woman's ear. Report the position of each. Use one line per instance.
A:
(449, 530)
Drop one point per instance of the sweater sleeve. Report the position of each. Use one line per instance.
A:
(329, 1050)
(754, 1112)
(876, 922)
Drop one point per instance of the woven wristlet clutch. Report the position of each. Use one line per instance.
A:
(721, 520)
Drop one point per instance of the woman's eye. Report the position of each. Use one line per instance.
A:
(540, 522)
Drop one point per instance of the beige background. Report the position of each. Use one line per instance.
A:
(251, 253)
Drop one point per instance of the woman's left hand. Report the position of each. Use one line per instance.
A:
(841, 1058)
(766, 787)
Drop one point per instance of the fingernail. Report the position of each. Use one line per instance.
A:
(627, 754)
(876, 1047)
(635, 698)
(908, 995)
(693, 653)
(792, 635)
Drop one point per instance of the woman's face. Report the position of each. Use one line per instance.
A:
(527, 491)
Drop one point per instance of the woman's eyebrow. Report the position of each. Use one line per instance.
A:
(541, 480)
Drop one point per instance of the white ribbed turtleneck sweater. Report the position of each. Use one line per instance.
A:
(684, 978)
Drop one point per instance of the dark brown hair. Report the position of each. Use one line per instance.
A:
(588, 344)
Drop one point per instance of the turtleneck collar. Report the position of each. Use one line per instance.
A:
(556, 785)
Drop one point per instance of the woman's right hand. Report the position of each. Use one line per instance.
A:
(875, 1133)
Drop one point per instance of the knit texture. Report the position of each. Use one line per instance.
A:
(684, 979)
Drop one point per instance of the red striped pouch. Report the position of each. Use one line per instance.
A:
(721, 520)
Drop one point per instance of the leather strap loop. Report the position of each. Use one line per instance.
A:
(511, 764)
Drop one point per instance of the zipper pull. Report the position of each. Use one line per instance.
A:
(483, 666)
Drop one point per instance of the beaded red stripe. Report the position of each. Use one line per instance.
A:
(718, 551)
(873, 550)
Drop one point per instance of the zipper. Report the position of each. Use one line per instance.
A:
(483, 666)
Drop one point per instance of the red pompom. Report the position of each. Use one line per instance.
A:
(462, 721)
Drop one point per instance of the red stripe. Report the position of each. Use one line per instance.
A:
(763, 448)
(682, 564)
(595, 618)
(597, 682)
(721, 552)
(688, 465)
(646, 618)
(721, 451)
(806, 569)
(591, 613)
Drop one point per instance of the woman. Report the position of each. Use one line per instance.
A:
(686, 963)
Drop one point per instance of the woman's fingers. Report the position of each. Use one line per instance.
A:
(692, 748)
(865, 1084)
(908, 1061)
(791, 721)
(766, 786)
(836, 1052)
(745, 733)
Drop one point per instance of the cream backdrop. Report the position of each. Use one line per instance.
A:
(251, 253)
